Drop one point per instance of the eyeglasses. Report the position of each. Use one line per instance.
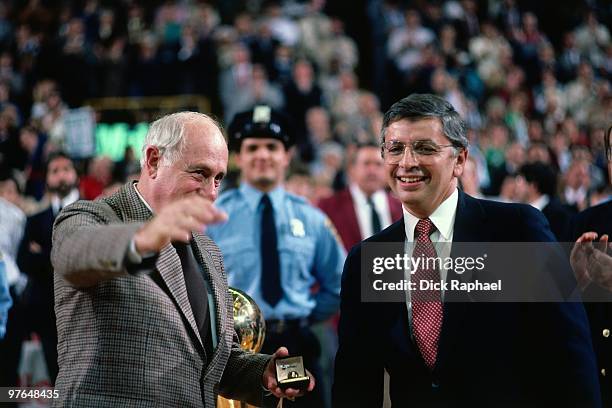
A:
(393, 150)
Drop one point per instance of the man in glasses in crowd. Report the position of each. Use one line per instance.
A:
(440, 352)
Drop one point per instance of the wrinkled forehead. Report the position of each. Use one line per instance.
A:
(412, 129)
(203, 123)
(203, 146)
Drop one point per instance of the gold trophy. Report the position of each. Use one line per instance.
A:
(250, 326)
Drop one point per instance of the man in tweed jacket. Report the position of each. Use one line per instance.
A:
(126, 327)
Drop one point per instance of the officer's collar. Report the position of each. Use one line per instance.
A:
(253, 196)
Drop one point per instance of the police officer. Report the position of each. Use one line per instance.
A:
(279, 249)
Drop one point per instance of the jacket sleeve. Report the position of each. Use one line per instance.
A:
(90, 244)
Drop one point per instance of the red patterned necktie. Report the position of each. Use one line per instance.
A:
(427, 308)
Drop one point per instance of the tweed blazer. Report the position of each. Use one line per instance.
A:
(130, 339)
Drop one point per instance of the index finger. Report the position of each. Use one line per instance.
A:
(204, 211)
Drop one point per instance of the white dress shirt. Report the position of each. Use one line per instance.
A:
(541, 202)
(364, 214)
(575, 196)
(443, 218)
(57, 204)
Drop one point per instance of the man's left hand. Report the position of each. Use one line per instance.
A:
(269, 378)
(600, 264)
(590, 261)
(579, 258)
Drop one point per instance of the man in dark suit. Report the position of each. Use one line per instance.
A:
(440, 352)
(144, 316)
(593, 268)
(539, 185)
(34, 257)
(364, 208)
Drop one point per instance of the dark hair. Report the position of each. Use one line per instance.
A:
(542, 175)
(423, 106)
(30, 128)
(54, 156)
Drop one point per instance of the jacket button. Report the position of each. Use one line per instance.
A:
(603, 372)
(606, 332)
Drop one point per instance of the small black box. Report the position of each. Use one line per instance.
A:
(290, 373)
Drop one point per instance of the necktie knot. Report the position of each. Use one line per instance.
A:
(424, 229)
(265, 201)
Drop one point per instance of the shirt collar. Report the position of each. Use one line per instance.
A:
(541, 202)
(253, 196)
(142, 198)
(360, 197)
(58, 203)
(443, 218)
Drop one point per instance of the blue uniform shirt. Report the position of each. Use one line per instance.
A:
(309, 252)
(5, 298)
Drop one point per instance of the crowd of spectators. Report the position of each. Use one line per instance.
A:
(525, 97)
(528, 94)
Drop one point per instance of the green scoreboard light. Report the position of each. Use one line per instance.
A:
(113, 138)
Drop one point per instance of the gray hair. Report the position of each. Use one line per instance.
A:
(422, 106)
(167, 134)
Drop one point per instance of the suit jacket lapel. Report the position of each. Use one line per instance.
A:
(169, 266)
(469, 221)
(211, 275)
(396, 232)
(469, 227)
(219, 291)
(348, 208)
